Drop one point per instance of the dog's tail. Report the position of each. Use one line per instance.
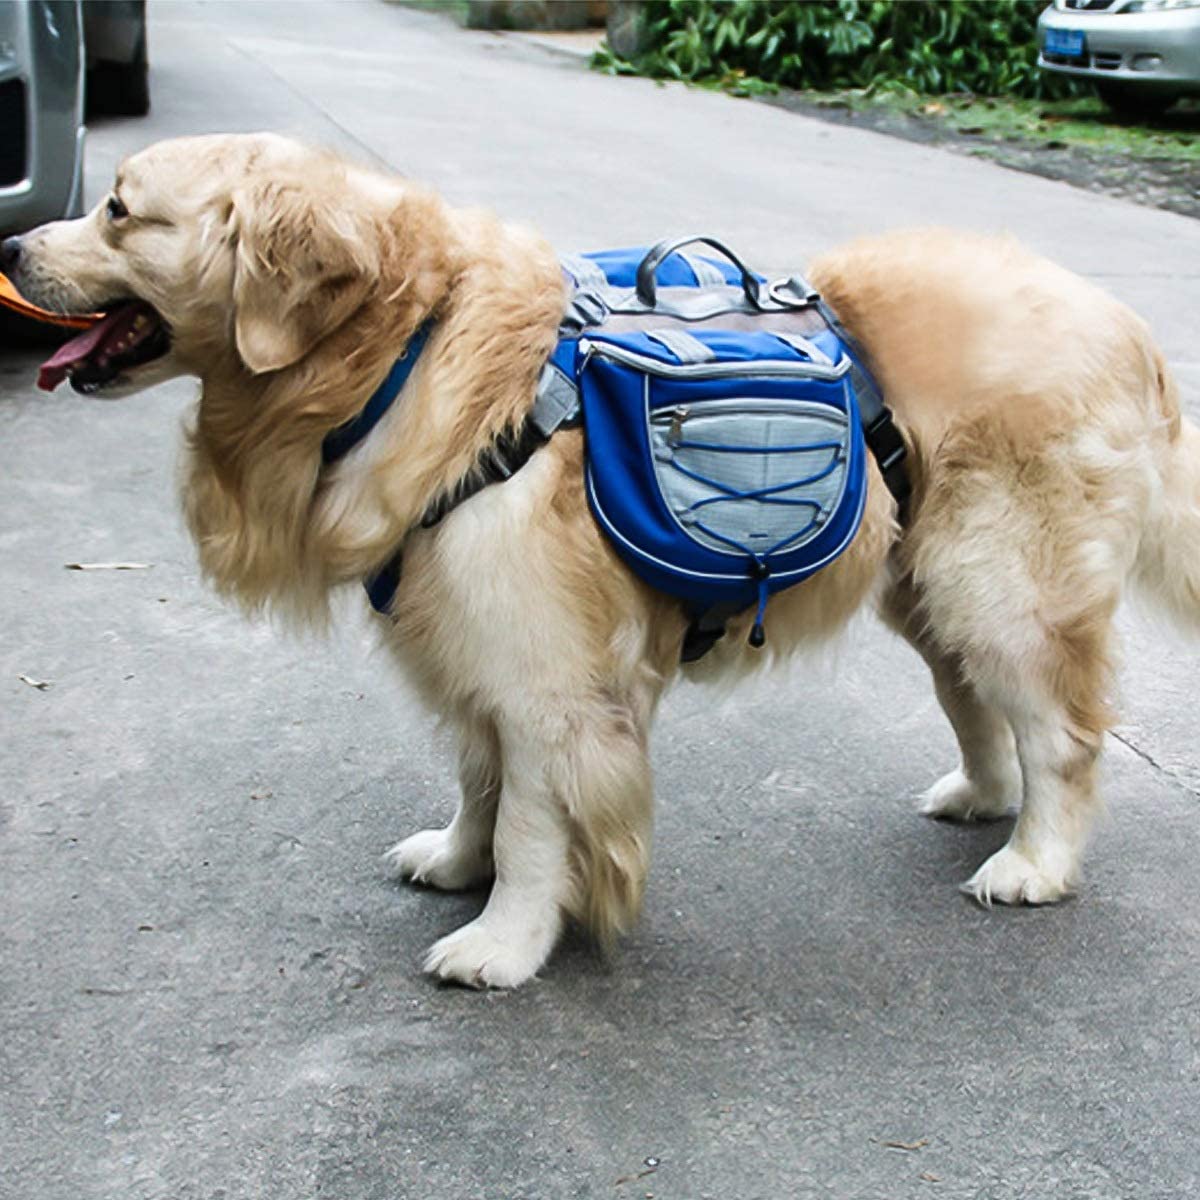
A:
(1168, 560)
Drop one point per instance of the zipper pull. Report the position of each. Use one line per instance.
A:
(760, 572)
(680, 414)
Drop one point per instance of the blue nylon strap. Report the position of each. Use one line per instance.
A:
(380, 586)
(340, 441)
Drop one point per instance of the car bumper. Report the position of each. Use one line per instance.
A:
(1155, 50)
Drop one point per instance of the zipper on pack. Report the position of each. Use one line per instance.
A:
(678, 414)
(771, 367)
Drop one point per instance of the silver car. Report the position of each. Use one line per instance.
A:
(1142, 55)
(56, 57)
(42, 65)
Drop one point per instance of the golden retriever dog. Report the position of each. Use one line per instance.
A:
(1050, 464)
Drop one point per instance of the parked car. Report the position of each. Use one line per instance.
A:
(1142, 55)
(56, 56)
(118, 69)
(41, 112)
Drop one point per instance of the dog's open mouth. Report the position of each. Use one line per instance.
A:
(129, 334)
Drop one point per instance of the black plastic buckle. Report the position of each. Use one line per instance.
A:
(886, 444)
(885, 441)
(698, 641)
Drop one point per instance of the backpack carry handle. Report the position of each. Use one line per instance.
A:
(647, 284)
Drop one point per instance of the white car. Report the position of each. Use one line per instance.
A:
(1142, 55)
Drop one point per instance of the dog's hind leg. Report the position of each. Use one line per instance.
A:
(1059, 721)
(1052, 695)
(1029, 623)
(987, 784)
(459, 856)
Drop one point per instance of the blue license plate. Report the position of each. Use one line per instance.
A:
(1067, 43)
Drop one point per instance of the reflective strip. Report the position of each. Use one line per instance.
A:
(707, 274)
(687, 349)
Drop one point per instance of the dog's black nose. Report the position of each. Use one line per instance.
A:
(10, 254)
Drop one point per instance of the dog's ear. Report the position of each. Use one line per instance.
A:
(304, 265)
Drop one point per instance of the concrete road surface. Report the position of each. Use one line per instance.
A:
(209, 989)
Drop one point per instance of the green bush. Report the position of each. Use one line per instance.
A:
(985, 47)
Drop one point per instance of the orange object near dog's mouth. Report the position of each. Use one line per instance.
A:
(126, 334)
(12, 299)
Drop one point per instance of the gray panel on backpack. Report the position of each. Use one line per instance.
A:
(708, 456)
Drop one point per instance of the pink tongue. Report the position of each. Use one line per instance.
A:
(56, 368)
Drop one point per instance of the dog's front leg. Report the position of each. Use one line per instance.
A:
(459, 856)
(514, 935)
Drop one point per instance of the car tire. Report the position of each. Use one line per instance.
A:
(1128, 101)
(120, 89)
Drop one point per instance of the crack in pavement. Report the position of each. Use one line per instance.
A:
(1145, 756)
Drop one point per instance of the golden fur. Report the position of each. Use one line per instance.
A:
(1050, 462)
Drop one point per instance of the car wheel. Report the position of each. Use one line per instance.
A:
(1128, 101)
(121, 89)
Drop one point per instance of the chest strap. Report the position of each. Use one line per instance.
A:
(555, 407)
(340, 441)
(381, 586)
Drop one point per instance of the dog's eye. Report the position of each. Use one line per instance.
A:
(116, 210)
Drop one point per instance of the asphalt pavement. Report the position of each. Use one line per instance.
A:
(209, 987)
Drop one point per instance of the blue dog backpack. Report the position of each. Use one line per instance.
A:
(726, 456)
(727, 421)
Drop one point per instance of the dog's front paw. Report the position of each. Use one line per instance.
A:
(479, 957)
(435, 858)
(955, 798)
(1008, 877)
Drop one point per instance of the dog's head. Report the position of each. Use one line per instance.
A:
(220, 253)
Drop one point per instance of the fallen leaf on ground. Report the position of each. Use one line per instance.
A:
(109, 566)
(638, 1175)
(906, 1145)
(40, 684)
